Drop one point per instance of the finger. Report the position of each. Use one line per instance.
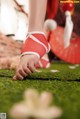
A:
(14, 77)
(31, 66)
(22, 72)
(27, 70)
(18, 77)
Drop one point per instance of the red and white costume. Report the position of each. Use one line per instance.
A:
(36, 43)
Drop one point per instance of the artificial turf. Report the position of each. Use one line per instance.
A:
(65, 86)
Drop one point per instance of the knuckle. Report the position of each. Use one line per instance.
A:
(30, 66)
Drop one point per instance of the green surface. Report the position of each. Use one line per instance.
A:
(65, 86)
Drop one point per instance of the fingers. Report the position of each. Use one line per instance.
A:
(24, 71)
(20, 74)
(27, 70)
(18, 77)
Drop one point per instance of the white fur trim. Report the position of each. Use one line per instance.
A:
(50, 25)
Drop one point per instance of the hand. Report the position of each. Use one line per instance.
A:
(26, 66)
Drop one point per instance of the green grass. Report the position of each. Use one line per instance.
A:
(65, 86)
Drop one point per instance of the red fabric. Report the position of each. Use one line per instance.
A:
(44, 63)
(70, 54)
(33, 46)
(52, 8)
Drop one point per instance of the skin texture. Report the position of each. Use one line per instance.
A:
(37, 14)
(36, 21)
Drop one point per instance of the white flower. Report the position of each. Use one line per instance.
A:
(36, 106)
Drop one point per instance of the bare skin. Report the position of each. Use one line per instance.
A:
(36, 21)
(26, 66)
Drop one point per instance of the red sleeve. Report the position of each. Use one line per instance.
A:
(52, 8)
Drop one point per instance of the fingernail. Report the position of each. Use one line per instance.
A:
(21, 78)
(14, 78)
